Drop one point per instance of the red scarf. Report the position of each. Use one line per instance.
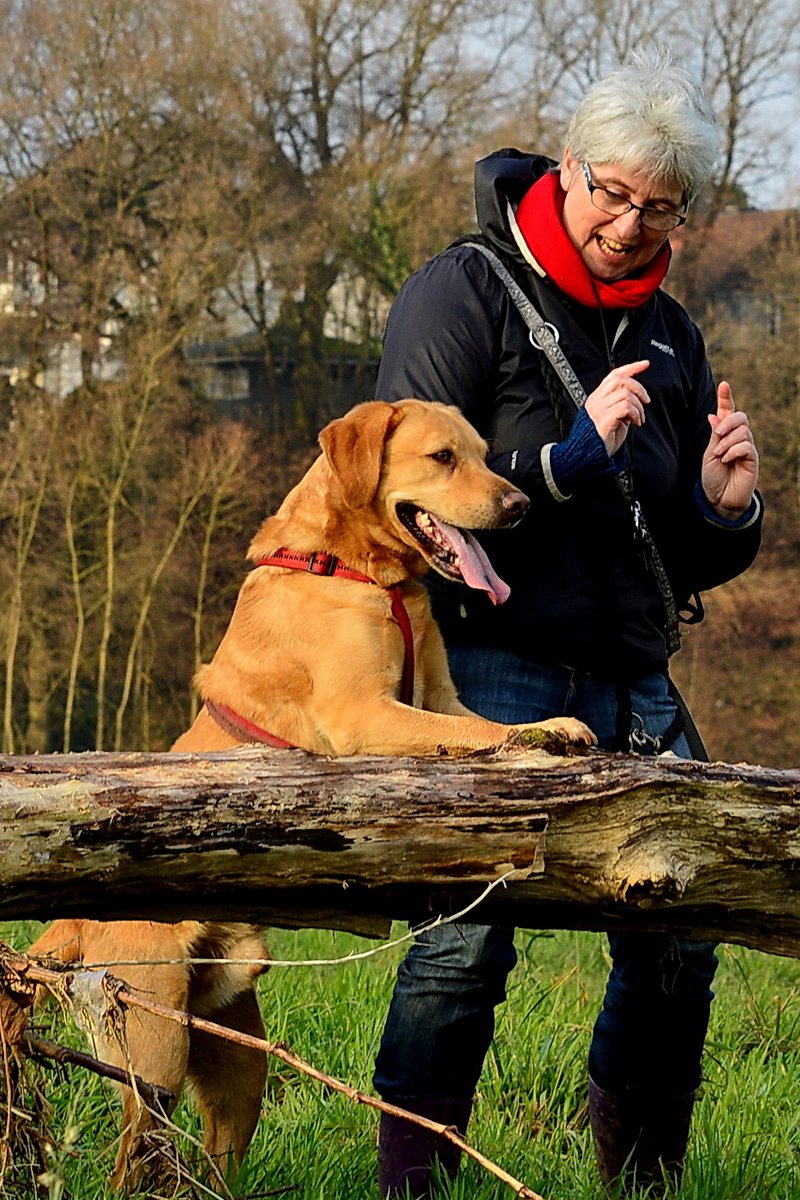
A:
(540, 220)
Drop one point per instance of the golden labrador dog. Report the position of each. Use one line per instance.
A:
(226, 1080)
(332, 647)
(315, 656)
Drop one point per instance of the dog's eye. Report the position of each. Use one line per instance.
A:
(446, 457)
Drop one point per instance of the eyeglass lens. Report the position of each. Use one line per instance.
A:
(613, 203)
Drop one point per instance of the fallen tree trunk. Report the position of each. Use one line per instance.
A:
(282, 837)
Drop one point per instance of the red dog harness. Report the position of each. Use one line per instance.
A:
(319, 563)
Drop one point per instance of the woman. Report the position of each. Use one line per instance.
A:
(586, 630)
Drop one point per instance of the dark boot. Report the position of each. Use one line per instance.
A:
(407, 1153)
(640, 1137)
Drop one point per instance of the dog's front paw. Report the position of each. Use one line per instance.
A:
(570, 728)
(559, 735)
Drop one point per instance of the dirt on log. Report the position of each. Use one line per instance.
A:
(596, 841)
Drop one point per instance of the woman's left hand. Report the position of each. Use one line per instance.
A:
(730, 464)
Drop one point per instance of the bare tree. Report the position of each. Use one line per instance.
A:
(30, 446)
(352, 108)
(746, 52)
(114, 212)
(166, 169)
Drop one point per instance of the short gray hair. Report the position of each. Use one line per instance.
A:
(648, 115)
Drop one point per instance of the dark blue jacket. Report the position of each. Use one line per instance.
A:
(581, 592)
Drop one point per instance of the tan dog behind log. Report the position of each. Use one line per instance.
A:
(227, 1081)
(318, 661)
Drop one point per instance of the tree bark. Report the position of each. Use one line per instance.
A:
(597, 841)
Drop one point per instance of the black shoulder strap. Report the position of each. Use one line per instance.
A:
(545, 339)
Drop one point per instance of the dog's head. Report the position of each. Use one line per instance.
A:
(418, 471)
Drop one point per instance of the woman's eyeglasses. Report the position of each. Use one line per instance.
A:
(615, 205)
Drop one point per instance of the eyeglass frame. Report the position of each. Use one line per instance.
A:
(644, 210)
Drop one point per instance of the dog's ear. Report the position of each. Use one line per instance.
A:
(354, 446)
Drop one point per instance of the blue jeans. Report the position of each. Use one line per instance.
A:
(652, 1026)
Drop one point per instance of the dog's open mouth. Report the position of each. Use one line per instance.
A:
(453, 552)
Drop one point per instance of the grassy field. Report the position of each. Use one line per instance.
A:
(530, 1116)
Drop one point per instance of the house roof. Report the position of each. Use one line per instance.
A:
(730, 251)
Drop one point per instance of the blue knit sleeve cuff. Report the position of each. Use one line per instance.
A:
(752, 514)
(580, 457)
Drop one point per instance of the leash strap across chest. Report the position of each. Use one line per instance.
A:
(322, 564)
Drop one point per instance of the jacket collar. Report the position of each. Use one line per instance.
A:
(503, 178)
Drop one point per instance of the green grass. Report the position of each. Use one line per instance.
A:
(530, 1115)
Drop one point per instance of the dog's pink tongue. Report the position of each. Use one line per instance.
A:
(476, 570)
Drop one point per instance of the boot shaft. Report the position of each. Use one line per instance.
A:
(638, 1135)
(408, 1154)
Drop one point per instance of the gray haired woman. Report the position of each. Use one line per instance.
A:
(642, 498)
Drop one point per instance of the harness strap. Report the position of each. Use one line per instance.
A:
(320, 563)
(400, 614)
(239, 727)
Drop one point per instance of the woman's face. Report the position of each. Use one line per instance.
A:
(613, 246)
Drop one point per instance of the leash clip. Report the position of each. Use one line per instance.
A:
(639, 740)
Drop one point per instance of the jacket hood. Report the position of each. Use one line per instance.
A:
(502, 176)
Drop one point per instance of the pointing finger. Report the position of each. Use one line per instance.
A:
(725, 403)
(634, 368)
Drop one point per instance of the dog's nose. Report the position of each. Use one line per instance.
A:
(516, 504)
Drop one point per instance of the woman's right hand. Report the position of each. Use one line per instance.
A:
(617, 403)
